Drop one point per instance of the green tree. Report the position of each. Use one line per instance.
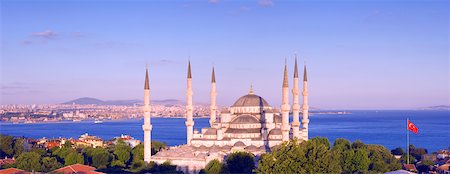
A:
(381, 160)
(50, 164)
(74, 158)
(398, 151)
(404, 159)
(100, 158)
(424, 166)
(6, 146)
(29, 161)
(418, 152)
(321, 140)
(167, 167)
(63, 152)
(122, 151)
(306, 157)
(67, 144)
(18, 146)
(240, 162)
(214, 167)
(358, 144)
(137, 165)
(361, 161)
(157, 146)
(39, 151)
(347, 161)
(117, 163)
(341, 145)
(138, 152)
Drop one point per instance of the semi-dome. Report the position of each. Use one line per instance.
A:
(276, 131)
(245, 119)
(250, 100)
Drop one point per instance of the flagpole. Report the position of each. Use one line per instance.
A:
(407, 141)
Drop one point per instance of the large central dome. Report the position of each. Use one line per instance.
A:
(250, 100)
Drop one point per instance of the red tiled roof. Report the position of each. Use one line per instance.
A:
(13, 171)
(6, 161)
(409, 167)
(444, 167)
(76, 168)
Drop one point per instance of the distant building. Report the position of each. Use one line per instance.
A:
(92, 141)
(127, 139)
(7, 161)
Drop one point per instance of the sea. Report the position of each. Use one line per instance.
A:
(387, 128)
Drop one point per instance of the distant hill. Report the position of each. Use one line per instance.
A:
(94, 101)
(439, 107)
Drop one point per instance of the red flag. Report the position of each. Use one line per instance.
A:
(412, 127)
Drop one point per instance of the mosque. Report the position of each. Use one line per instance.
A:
(250, 124)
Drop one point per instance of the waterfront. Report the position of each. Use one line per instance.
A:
(372, 127)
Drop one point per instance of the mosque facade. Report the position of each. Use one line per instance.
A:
(251, 124)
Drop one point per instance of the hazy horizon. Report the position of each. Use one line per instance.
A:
(360, 55)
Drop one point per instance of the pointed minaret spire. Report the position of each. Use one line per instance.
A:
(295, 105)
(305, 77)
(212, 119)
(147, 127)
(285, 80)
(285, 108)
(189, 107)
(213, 76)
(189, 76)
(296, 68)
(146, 85)
(305, 106)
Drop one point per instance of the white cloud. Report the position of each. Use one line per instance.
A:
(48, 34)
(265, 3)
(213, 1)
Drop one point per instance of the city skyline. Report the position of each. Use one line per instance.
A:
(366, 55)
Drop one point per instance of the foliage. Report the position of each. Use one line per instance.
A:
(117, 163)
(141, 167)
(6, 148)
(358, 144)
(73, 158)
(398, 151)
(29, 161)
(214, 167)
(157, 146)
(122, 151)
(312, 156)
(167, 167)
(417, 153)
(138, 152)
(50, 164)
(341, 144)
(404, 159)
(97, 157)
(240, 162)
(321, 140)
(381, 160)
(19, 146)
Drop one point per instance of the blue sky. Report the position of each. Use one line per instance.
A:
(360, 54)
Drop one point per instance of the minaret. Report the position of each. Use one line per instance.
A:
(213, 108)
(147, 127)
(296, 105)
(305, 106)
(285, 107)
(189, 108)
